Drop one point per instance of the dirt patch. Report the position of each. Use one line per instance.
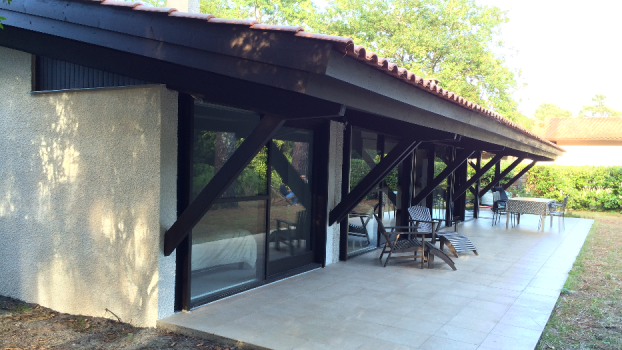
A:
(588, 314)
(30, 326)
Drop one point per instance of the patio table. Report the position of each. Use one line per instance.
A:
(536, 206)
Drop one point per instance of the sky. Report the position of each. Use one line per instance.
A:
(568, 51)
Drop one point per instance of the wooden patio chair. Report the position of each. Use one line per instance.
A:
(420, 217)
(361, 230)
(411, 245)
(288, 232)
(278, 198)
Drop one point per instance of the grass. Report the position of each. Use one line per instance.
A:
(588, 314)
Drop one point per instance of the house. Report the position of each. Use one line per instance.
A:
(141, 145)
(593, 141)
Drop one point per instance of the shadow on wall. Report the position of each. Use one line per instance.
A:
(80, 201)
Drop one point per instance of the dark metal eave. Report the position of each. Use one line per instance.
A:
(368, 89)
(274, 59)
(217, 88)
(91, 18)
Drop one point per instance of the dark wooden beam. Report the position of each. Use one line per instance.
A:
(520, 173)
(285, 169)
(389, 126)
(475, 190)
(379, 172)
(345, 189)
(500, 176)
(221, 89)
(460, 158)
(221, 181)
(495, 160)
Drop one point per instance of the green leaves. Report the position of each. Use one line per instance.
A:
(453, 41)
(598, 109)
(589, 188)
(549, 110)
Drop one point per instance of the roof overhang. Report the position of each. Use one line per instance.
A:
(281, 72)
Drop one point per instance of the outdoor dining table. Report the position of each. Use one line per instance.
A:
(536, 206)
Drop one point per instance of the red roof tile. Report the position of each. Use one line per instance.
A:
(606, 128)
(346, 46)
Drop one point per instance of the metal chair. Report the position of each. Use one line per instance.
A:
(424, 224)
(559, 210)
(499, 203)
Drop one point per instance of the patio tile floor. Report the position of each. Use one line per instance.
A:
(500, 299)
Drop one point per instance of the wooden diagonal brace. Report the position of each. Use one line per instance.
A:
(520, 173)
(496, 159)
(221, 181)
(451, 167)
(379, 172)
(501, 176)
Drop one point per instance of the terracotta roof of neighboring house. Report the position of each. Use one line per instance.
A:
(606, 128)
(346, 46)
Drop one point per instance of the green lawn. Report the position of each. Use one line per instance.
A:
(588, 314)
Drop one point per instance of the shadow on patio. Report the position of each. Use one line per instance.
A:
(501, 299)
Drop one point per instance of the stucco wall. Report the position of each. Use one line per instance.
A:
(87, 188)
(334, 188)
(590, 155)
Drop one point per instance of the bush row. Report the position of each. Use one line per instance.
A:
(588, 187)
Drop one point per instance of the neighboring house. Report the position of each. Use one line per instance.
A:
(587, 141)
(140, 147)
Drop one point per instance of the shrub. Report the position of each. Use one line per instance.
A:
(589, 187)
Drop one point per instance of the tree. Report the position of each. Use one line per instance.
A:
(283, 12)
(450, 40)
(549, 110)
(8, 2)
(598, 109)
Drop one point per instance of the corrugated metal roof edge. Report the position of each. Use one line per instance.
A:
(346, 46)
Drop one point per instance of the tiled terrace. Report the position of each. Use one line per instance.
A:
(500, 299)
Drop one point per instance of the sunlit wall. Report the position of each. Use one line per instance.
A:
(87, 189)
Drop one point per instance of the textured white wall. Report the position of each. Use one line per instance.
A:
(87, 189)
(590, 155)
(334, 188)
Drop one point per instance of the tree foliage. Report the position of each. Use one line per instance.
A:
(8, 2)
(453, 41)
(549, 110)
(598, 109)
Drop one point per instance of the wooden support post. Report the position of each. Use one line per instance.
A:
(497, 173)
(478, 174)
(521, 173)
(478, 166)
(185, 131)
(221, 181)
(461, 158)
(501, 176)
(460, 178)
(405, 184)
(429, 200)
(345, 189)
(371, 180)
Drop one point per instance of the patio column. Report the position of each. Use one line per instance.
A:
(478, 166)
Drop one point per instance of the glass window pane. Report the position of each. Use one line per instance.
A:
(362, 227)
(227, 247)
(290, 213)
(218, 132)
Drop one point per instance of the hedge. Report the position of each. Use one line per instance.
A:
(588, 187)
